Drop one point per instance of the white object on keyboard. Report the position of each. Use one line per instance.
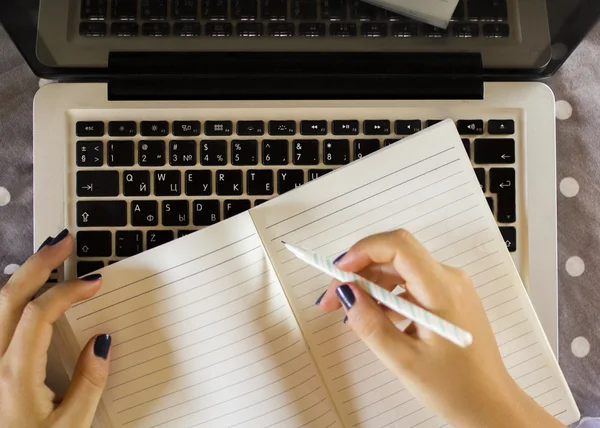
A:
(434, 12)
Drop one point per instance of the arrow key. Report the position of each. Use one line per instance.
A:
(495, 150)
(313, 127)
(510, 238)
(94, 244)
(376, 127)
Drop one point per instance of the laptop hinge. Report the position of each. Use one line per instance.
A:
(305, 75)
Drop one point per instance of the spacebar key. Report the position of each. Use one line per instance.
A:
(101, 213)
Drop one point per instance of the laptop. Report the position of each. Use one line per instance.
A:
(168, 116)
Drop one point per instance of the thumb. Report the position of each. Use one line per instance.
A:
(370, 322)
(82, 398)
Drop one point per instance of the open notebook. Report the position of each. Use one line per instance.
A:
(219, 328)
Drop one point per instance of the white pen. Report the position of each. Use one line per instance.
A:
(411, 311)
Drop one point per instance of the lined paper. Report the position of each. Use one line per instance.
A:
(427, 186)
(204, 337)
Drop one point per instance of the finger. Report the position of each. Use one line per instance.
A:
(26, 281)
(89, 379)
(34, 332)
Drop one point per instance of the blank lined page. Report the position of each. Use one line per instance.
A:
(203, 336)
(426, 185)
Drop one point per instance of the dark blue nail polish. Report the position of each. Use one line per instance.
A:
(46, 242)
(62, 235)
(320, 297)
(102, 346)
(345, 319)
(338, 258)
(345, 295)
(91, 277)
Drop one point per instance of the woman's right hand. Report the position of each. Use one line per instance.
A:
(469, 387)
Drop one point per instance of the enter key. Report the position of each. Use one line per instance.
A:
(502, 182)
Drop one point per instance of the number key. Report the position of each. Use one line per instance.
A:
(244, 152)
(182, 153)
(151, 153)
(120, 153)
(275, 152)
(305, 152)
(364, 147)
(90, 153)
(336, 152)
(213, 152)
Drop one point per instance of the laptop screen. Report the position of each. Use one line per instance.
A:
(509, 37)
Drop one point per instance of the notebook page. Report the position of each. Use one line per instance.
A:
(203, 336)
(426, 185)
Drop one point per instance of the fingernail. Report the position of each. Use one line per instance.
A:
(339, 258)
(345, 319)
(46, 242)
(62, 235)
(345, 295)
(91, 277)
(102, 346)
(320, 297)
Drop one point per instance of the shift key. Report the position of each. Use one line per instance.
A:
(101, 213)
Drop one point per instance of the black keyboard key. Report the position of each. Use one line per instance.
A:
(218, 127)
(501, 127)
(218, 29)
(122, 129)
(488, 10)
(470, 127)
(86, 267)
(334, 10)
(120, 153)
(305, 152)
(288, 179)
(304, 9)
(495, 150)
(259, 182)
(250, 127)
(496, 31)
(136, 183)
(124, 10)
(275, 152)
(480, 173)
(144, 213)
(90, 153)
(345, 127)
(89, 129)
(213, 152)
(198, 182)
(229, 182)
(459, 12)
(92, 29)
(215, 10)
(364, 147)
(244, 10)
(154, 238)
(432, 122)
(466, 31)
(467, 144)
(339, 29)
(316, 29)
(186, 128)
(336, 152)
(502, 182)
(282, 127)
(362, 10)
(232, 207)
(389, 141)
(93, 10)
(434, 32)
(182, 152)
(175, 213)
(258, 202)
(244, 152)
(376, 127)
(313, 174)
(156, 29)
(151, 153)
(206, 212)
(281, 29)
(404, 30)
(374, 29)
(94, 243)
(186, 29)
(97, 183)
(313, 127)
(167, 183)
(274, 10)
(184, 10)
(185, 232)
(249, 29)
(154, 10)
(124, 29)
(407, 127)
(157, 128)
(490, 202)
(101, 213)
(510, 238)
(128, 243)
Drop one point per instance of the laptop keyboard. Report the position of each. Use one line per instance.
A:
(140, 184)
(281, 18)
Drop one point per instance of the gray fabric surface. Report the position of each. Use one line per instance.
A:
(578, 82)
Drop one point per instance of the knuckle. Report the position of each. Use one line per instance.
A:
(402, 234)
(368, 327)
(94, 377)
(32, 312)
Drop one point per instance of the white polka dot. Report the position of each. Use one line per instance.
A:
(4, 196)
(569, 187)
(575, 266)
(10, 269)
(563, 110)
(580, 347)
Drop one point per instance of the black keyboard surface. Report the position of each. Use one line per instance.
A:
(140, 184)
